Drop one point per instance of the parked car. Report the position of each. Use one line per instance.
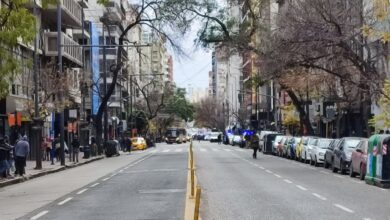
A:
(359, 160)
(293, 145)
(289, 140)
(318, 152)
(328, 157)
(311, 143)
(261, 137)
(278, 140)
(299, 148)
(281, 146)
(269, 140)
(214, 137)
(207, 137)
(237, 140)
(342, 154)
(138, 143)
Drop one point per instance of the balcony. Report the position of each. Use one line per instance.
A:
(114, 12)
(70, 51)
(71, 13)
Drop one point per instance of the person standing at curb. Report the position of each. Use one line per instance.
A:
(22, 149)
(76, 148)
(4, 156)
(11, 158)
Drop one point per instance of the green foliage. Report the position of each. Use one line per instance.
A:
(139, 119)
(179, 106)
(382, 120)
(17, 24)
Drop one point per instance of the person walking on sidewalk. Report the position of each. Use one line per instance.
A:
(22, 149)
(4, 156)
(255, 145)
(76, 148)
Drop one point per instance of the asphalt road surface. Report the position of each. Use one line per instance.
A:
(235, 186)
(152, 186)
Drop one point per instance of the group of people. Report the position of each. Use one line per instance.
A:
(13, 158)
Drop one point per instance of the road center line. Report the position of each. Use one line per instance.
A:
(287, 181)
(268, 171)
(39, 215)
(343, 208)
(120, 171)
(366, 219)
(65, 201)
(81, 191)
(319, 196)
(105, 179)
(278, 176)
(301, 187)
(261, 167)
(95, 184)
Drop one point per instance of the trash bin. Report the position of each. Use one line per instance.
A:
(378, 161)
(111, 148)
(87, 152)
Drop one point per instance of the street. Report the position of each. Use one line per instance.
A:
(151, 184)
(235, 186)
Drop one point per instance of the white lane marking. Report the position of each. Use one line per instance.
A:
(120, 171)
(278, 176)
(39, 215)
(228, 150)
(343, 208)
(81, 191)
(105, 179)
(65, 201)
(179, 150)
(287, 181)
(338, 176)
(301, 187)
(166, 150)
(324, 172)
(202, 149)
(319, 196)
(261, 167)
(153, 151)
(95, 184)
(366, 219)
(268, 171)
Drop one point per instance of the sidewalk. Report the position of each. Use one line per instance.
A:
(47, 168)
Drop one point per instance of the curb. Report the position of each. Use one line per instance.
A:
(33, 176)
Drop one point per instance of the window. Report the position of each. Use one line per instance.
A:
(13, 89)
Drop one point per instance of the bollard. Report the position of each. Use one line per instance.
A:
(192, 182)
(197, 203)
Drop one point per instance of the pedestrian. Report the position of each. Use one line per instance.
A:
(4, 156)
(76, 148)
(11, 158)
(254, 142)
(219, 139)
(22, 149)
(128, 144)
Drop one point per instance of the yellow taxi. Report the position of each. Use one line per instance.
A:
(138, 143)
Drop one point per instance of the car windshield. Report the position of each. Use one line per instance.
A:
(351, 143)
(313, 141)
(325, 143)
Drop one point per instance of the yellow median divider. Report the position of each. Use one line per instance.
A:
(192, 197)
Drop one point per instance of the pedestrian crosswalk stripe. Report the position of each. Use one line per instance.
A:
(165, 151)
(202, 149)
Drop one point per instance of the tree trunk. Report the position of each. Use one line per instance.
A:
(303, 115)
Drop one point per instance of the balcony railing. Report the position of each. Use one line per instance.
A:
(70, 50)
(71, 13)
(114, 12)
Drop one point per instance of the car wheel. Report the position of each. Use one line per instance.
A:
(361, 173)
(342, 169)
(351, 173)
(315, 161)
(334, 168)
(326, 165)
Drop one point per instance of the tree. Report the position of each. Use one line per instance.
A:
(178, 105)
(17, 25)
(209, 113)
(381, 121)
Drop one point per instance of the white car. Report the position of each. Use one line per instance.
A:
(311, 143)
(214, 137)
(278, 139)
(261, 137)
(236, 140)
(317, 153)
(207, 137)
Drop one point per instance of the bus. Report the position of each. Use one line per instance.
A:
(176, 135)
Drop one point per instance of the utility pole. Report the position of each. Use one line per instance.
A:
(105, 123)
(37, 129)
(59, 48)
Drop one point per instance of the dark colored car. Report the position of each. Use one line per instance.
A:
(359, 160)
(269, 140)
(342, 154)
(328, 157)
(291, 147)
